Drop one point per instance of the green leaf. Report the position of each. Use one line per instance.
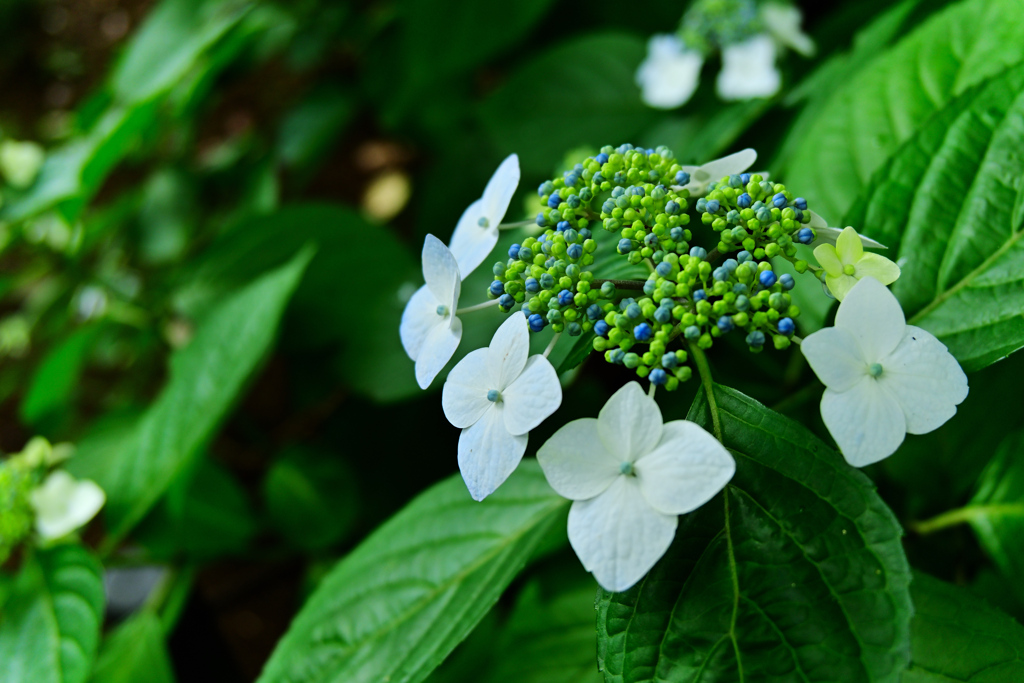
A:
(583, 347)
(311, 496)
(957, 637)
(134, 652)
(944, 204)
(579, 93)
(206, 377)
(399, 604)
(51, 621)
(795, 572)
(56, 379)
(885, 104)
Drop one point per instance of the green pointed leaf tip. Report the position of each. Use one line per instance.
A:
(51, 620)
(957, 637)
(134, 652)
(873, 113)
(206, 377)
(794, 573)
(397, 606)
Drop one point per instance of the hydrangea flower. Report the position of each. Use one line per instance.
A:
(630, 476)
(63, 504)
(748, 69)
(733, 164)
(883, 378)
(826, 235)
(669, 74)
(847, 262)
(430, 331)
(477, 230)
(496, 396)
(783, 22)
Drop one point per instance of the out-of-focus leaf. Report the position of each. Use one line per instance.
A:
(134, 652)
(699, 138)
(583, 347)
(51, 621)
(794, 572)
(206, 378)
(955, 637)
(166, 216)
(55, 380)
(311, 496)
(308, 131)
(579, 93)
(395, 607)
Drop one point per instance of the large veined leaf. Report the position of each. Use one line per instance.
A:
(794, 573)
(398, 605)
(868, 118)
(206, 378)
(50, 624)
(958, 638)
(945, 204)
(134, 652)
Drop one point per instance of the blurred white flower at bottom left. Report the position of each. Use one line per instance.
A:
(630, 476)
(497, 395)
(63, 504)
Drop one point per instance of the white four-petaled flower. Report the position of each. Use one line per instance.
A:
(883, 378)
(477, 230)
(748, 69)
(630, 476)
(497, 395)
(430, 331)
(669, 74)
(63, 504)
(712, 171)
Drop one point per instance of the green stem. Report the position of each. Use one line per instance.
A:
(964, 514)
(701, 361)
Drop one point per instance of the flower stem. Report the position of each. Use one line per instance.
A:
(621, 284)
(551, 344)
(477, 307)
(964, 514)
(518, 224)
(650, 391)
(701, 361)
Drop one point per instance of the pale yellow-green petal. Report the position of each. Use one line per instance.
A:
(840, 286)
(878, 267)
(828, 259)
(849, 247)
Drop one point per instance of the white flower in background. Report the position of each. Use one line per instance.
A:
(702, 176)
(748, 69)
(783, 22)
(827, 235)
(668, 76)
(630, 477)
(430, 331)
(847, 263)
(496, 396)
(20, 162)
(883, 378)
(63, 504)
(477, 230)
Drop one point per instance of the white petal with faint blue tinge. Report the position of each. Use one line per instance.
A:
(629, 424)
(63, 504)
(732, 164)
(532, 397)
(464, 397)
(669, 74)
(488, 454)
(441, 272)
(925, 379)
(506, 355)
(873, 316)
(783, 21)
(418, 319)
(471, 243)
(438, 348)
(500, 188)
(866, 421)
(748, 70)
(576, 462)
(836, 358)
(685, 470)
(618, 536)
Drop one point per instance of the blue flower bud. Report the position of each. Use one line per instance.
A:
(755, 338)
(676, 234)
(525, 254)
(699, 295)
(649, 287)
(625, 246)
(664, 269)
(594, 311)
(651, 240)
(725, 324)
(497, 288)
(669, 360)
(767, 278)
(663, 314)
(779, 201)
(601, 158)
(608, 206)
(562, 225)
(547, 187)
(712, 206)
(764, 215)
(633, 311)
(721, 274)
(692, 333)
(745, 178)
(739, 288)
(698, 252)
(607, 290)
(571, 236)
(625, 303)
(573, 201)
(601, 328)
(541, 221)
(805, 236)
(800, 203)
(657, 377)
(565, 297)
(575, 251)
(617, 356)
(742, 303)
(744, 201)
(787, 281)
(554, 200)
(730, 264)
(513, 251)
(547, 281)
(744, 256)
(506, 302)
(735, 181)
(643, 331)
(574, 329)
(702, 205)
(682, 178)
(672, 207)
(786, 326)
(532, 286)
